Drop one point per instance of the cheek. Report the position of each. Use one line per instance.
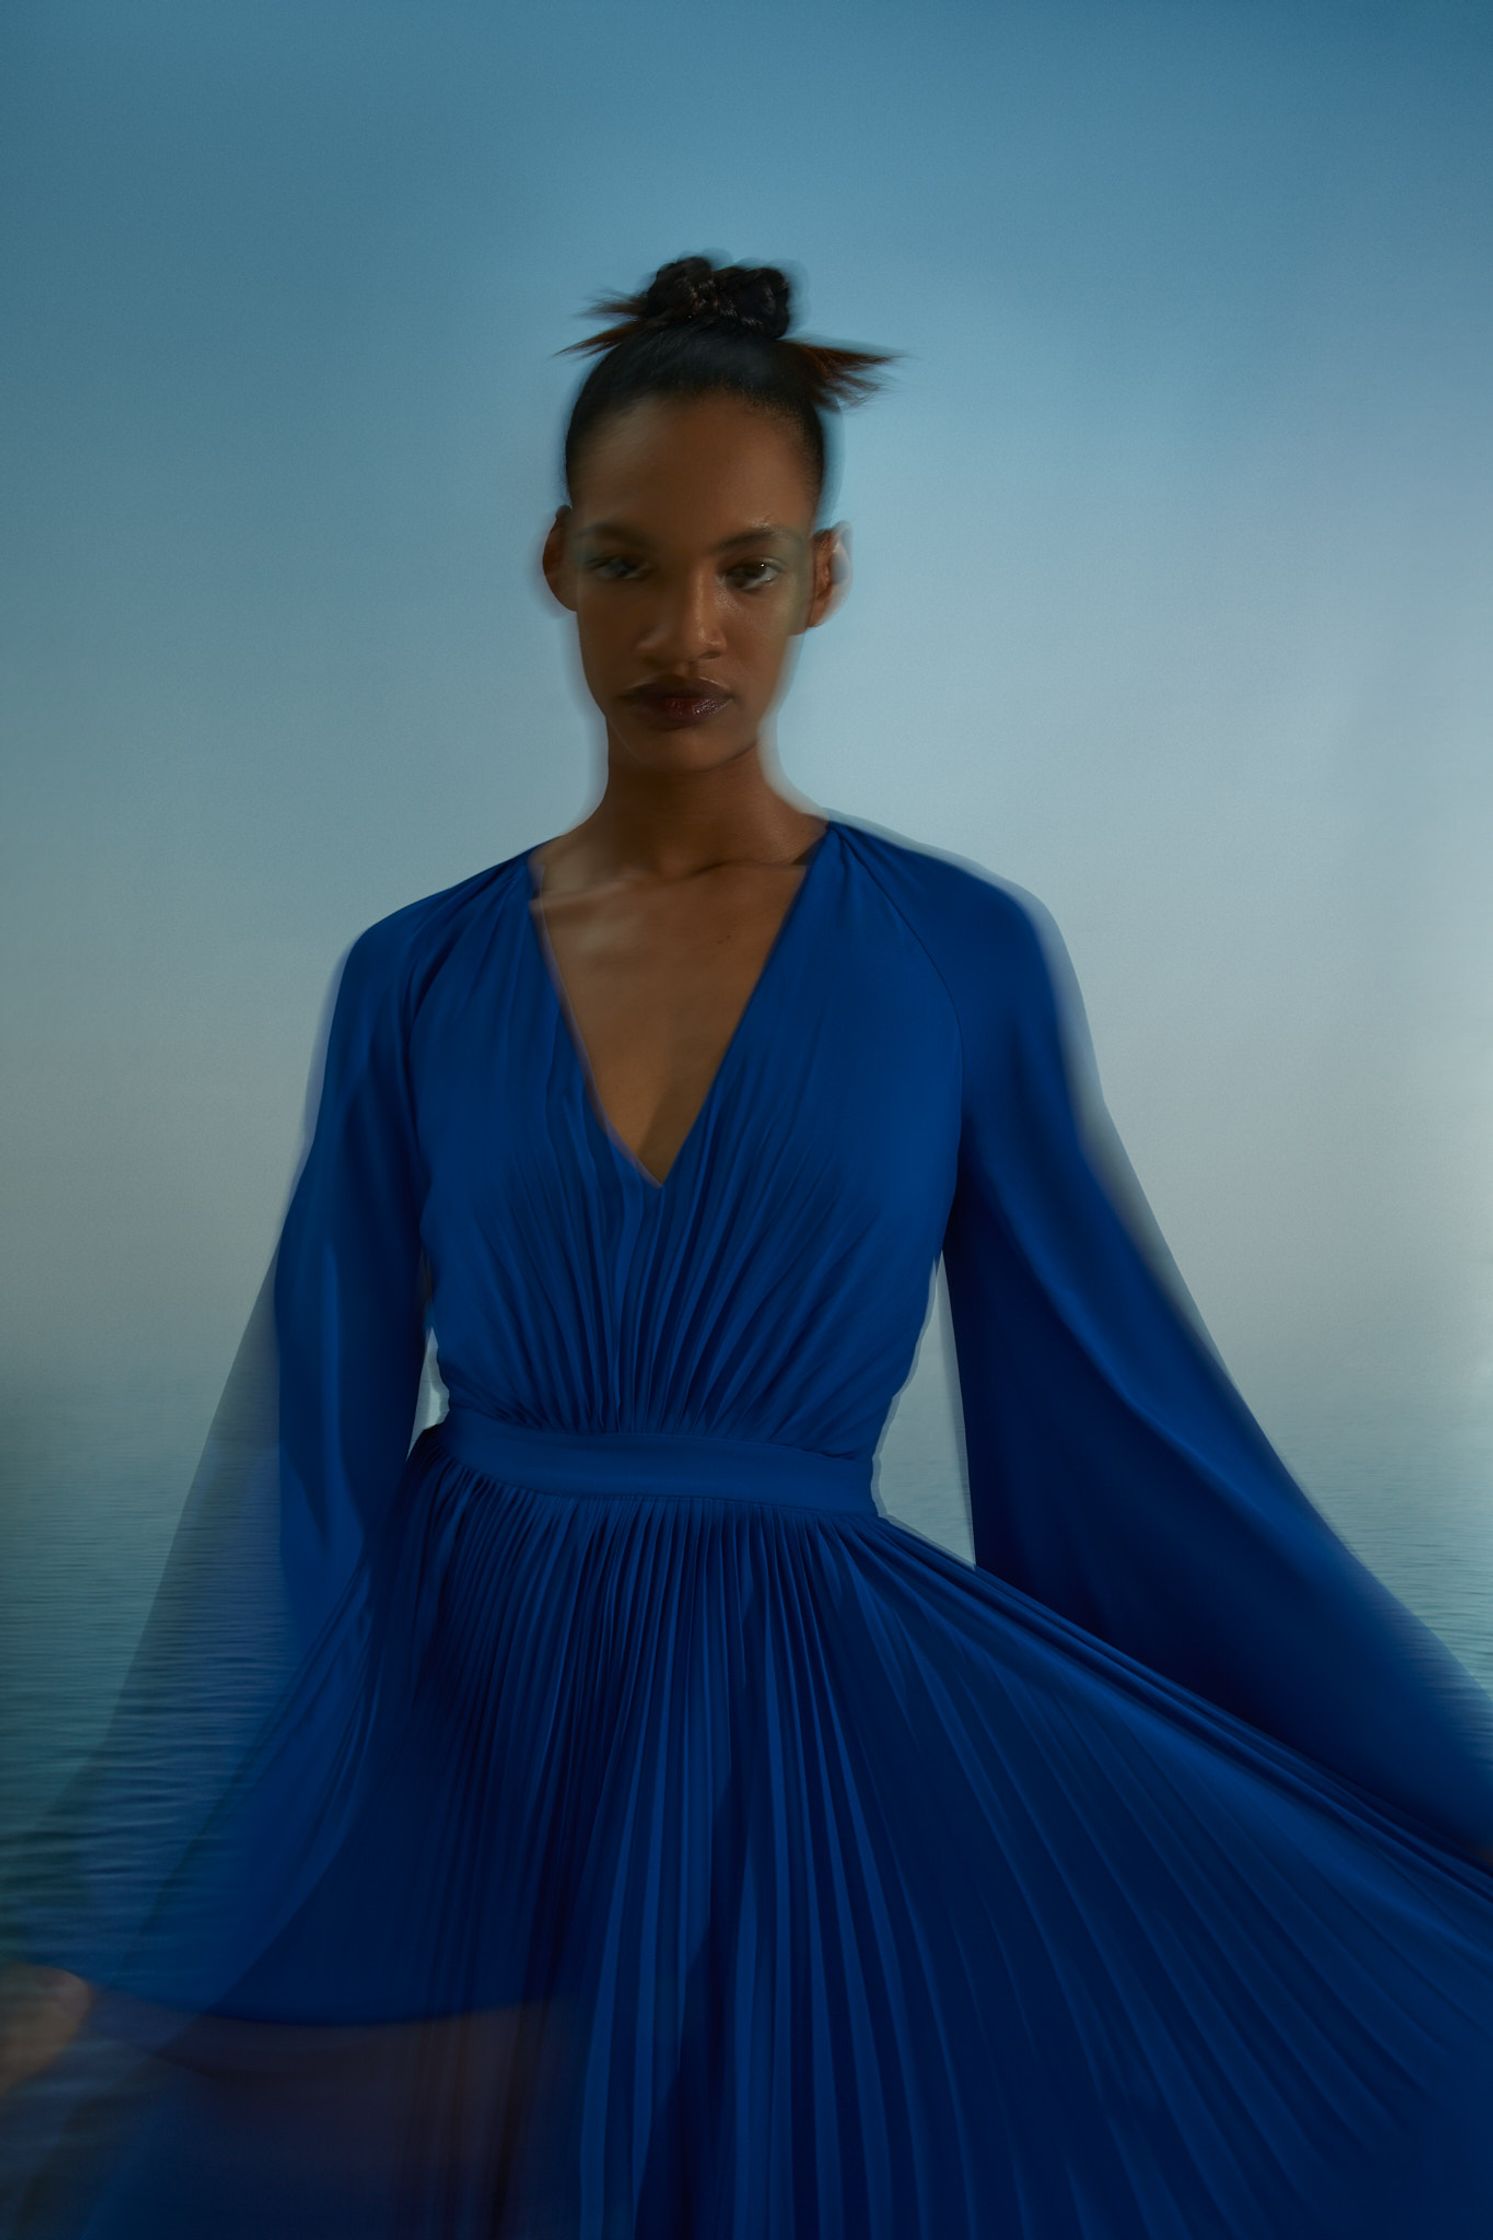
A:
(762, 627)
(605, 635)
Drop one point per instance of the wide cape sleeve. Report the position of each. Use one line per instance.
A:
(1115, 1472)
(238, 1742)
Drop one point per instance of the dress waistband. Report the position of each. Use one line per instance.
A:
(655, 1462)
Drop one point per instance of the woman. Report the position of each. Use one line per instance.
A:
(637, 1832)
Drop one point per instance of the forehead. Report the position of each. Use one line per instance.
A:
(702, 467)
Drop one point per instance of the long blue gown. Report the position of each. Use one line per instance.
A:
(598, 1818)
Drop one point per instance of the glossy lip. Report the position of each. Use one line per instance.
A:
(682, 699)
(678, 707)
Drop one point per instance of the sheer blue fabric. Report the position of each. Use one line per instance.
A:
(596, 1816)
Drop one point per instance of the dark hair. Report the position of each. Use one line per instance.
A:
(699, 328)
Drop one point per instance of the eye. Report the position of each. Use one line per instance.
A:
(744, 568)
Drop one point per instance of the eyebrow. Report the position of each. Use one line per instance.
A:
(755, 535)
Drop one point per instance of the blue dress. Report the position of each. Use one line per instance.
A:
(597, 1817)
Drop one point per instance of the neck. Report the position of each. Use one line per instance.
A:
(664, 825)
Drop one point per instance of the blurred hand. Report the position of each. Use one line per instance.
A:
(41, 2012)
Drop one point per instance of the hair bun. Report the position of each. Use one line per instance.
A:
(751, 299)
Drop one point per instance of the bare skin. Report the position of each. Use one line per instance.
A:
(41, 2012)
(658, 910)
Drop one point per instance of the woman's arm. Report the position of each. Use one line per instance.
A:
(1115, 1471)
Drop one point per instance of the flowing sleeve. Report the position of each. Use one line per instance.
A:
(238, 1740)
(1115, 1472)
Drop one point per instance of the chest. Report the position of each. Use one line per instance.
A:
(653, 985)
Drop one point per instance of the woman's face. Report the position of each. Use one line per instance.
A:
(690, 553)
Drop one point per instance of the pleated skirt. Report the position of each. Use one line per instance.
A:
(736, 1864)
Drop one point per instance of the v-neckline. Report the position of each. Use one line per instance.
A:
(559, 1002)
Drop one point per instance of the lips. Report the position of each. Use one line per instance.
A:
(671, 708)
(682, 703)
(685, 691)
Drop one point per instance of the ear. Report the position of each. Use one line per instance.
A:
(555, 559)
(829, 573)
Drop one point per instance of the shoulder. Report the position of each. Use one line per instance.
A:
(985, 935)
(397, 954)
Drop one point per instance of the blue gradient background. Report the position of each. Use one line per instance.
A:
(1173, 555)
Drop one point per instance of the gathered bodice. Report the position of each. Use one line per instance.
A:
(774, 1285)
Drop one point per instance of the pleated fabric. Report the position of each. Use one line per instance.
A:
(622, 1826)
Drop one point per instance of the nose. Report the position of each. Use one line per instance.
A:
(686, 624)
